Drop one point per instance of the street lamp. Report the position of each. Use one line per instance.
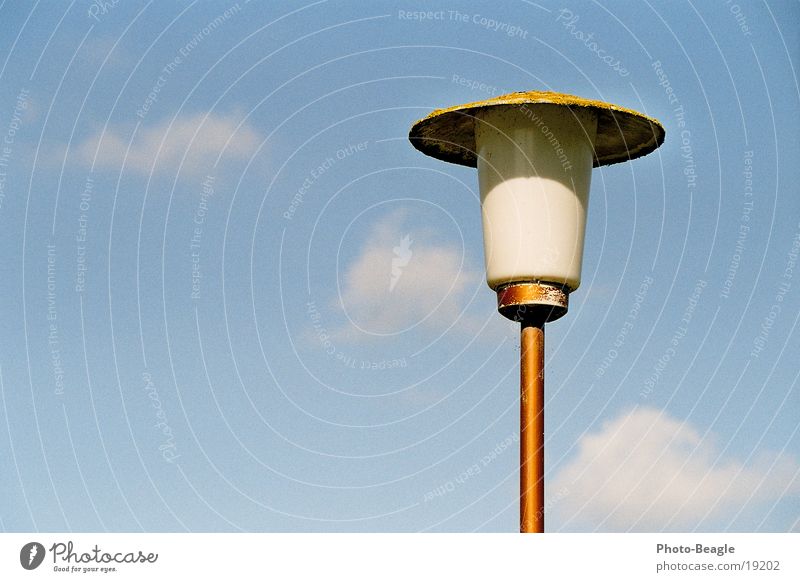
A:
(534, 152)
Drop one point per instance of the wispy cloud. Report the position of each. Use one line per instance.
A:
(193, 142)
(401, 279)
(648, 471)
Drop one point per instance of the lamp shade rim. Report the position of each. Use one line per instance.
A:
(622, 134)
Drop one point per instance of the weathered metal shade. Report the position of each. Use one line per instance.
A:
(622, 134)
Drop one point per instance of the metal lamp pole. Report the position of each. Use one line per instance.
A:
(534, 152)
(532, 304)
(531, 427)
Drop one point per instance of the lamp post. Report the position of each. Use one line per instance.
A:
(534, 152)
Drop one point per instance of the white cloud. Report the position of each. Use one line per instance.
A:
(201, 138)
(647, 471)
(401, 279)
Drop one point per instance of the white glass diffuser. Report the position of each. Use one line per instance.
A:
(534, 169)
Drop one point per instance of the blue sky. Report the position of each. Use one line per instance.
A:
(200, 206)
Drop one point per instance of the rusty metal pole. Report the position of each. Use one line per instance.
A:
(532, 304)
(531, 422)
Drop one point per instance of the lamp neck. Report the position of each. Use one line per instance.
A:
(532, 301)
